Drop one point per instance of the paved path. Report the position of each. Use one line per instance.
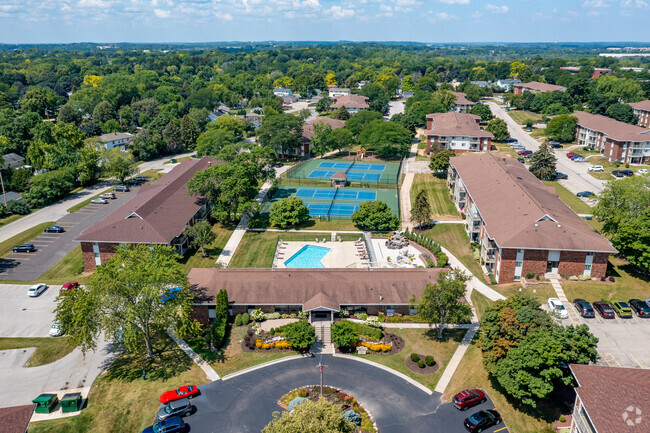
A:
(209, 372)
(474, 283)
(454, 362)
(405, 191)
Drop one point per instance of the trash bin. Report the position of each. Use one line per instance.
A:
(173, 161)
(45, 403)
(71, 402)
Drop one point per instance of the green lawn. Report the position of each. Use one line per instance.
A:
(540, 292)
(423, 342)
(438, 194)
(48, 349)
(520, 116)
(454, 238)
(569, 198)
(193, 258)
(481, 303)
(538, 133)
(507, 149)
(21, 238)
(608, 166)
(9, 219)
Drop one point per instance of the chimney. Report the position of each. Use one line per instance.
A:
(209, 163)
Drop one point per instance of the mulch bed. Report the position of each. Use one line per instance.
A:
(416, 369)
(397, 345)
(252, 348)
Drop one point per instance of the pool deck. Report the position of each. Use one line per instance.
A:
(382, 253)
(341, 254)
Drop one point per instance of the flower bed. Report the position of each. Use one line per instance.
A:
(347, 403)
(263, 341)
(389, 345)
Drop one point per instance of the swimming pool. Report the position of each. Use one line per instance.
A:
(308, 256)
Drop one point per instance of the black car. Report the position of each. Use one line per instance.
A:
(54, 229)
(482, 420)
(556, 145)
(141, 179)
(122, 188)
(640, 307)
(584, 308)
(559, 176)
(133, 182)
(522, 160)
(511, 140)
(24, 248)
(618, 173)
(627, 173)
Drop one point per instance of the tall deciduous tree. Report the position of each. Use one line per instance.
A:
(321, 416)
(375, 215)
(440, 160)
(387, 139)
(201, 234)
(119, 165)
(281, 132)
(189, 132)
(482, 110)
(324, 105)
(499, 129)
(562, 128)
(421, 210)
(290, 211)
(543, 161)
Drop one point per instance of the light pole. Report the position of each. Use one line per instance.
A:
(321, 367)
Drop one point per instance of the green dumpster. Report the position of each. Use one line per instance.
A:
(173, 161)
(71, 402)
(45, 403)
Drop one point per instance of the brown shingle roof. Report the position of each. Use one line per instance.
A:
(520, 211)
(643, 105)
(456, 124)
(157, 214)
(619, 131)
(350, 101)
(16, 419)
(461, 99)
(541, 87)
(308, 128)
(308, 287)
(112, 136)
(339, 175)
(608, 392)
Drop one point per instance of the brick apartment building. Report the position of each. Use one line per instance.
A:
(459, 132)
(536, 87)
(308, 132)
(462, 104)
(521, 225)
(642, 111)
(321, 292)
(617, 141)
(158, 214)
(598, 72)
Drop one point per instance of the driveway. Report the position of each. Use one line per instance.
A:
(245, 403)
(579, 179)
(22, 316)
(395, 107)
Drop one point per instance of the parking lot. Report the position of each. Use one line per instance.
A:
(22, 316)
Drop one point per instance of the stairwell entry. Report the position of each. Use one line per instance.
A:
(323, 343)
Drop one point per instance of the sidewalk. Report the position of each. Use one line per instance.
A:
(474, 283)
(405, 191)
(209, 372)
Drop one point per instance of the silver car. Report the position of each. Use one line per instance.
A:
(180, 407)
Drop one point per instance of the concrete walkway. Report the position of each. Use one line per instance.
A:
(474, 283)
(405, 191)
(454, 362)
(209, 372)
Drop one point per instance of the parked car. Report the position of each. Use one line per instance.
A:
(596, 168)
(122, 188)
(640, 307)
(522, 160)
(170, 425)
(559, 176)
(528, 155)
(571, 155)
(584, 308)
(627, 173)
(141, 179)
(36, 290)
(511, 140)
(643, 171)
(468, 398)
(585, 194)
(482, 420)
(555, 145)
(578, 159)
(604, 309)
(185, 391)
(525, 152)
(54, 229)
(618, 173)
(517, 146)
(109, 195)
(622, 309)
(99, 200)
(171, 294)
(133, 182)
(180, 407)
(556, 307)
(56, 330)
(71, 285)
(24, 248)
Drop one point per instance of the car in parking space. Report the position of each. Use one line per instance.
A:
(585, 194)
(640, 308)
(99, 200)
(643, 171)
(604, 309)
(122, 188)
(54, 229)
(71, 285)
(36, 290)
(482, 420)
(181, 407)
(578, 159)
(559, 175)
(556, 307)
(511, 140)
(618, 173)
(185, 391)
(24, 248)
(170, 425)
(133, 182)
(468, 398)
(555, 145)
(596, 168)
(141, 179)
(522, 160)
(627, 173)
(525, 152)
(56, 330)
(571, 155)
(584, 308)
(109, 195)
(622, 309)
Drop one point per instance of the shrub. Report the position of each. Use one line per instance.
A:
(245, 319)
(257, 315)
(492, 279)
(361, 316)
(353, 417)
(269, 316)
(344, 334)
(282, 344)
(429, 360)
(421, 364)
(369, 332)
(562, 419)
(258, 343)
(573, 278)
(373, 321)
(583, 277)
(303, 315)
(415, 357)
(18, 207)
(529, 275)
(238, 320)
(443, 259)
(300, 334)
(343, 313)
(272, 331)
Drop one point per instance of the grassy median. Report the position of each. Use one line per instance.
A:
(48, 349)
(442, 208)
(21, 238)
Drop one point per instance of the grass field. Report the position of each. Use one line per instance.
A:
(538, 133)
(507, 150)
(608, 166)
(23, 237)
(570, 199)
(423, 342)
(540, 292)
(48, 349)
(193, 258)
(520, 116)
(436, 189)
(11, 218)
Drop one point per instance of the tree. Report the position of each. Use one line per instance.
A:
(69, 114)
(213, 140)
(499, 129)
(281, 132)
(633, 241)
(340, 139)
(48, 187)
(533, 369)
(119, 165)
(344, 335)
(421, 210)
(189, 132)
(324, 105)
(321, 141)
(340, 113)
(386, 139)
(40, 100)
(562, 128)
(219, 327)
(123, 297)
(622, 112)
(622, 201)
(375, 215)
(172, 136)
(542, 163)
(290, 211)
(440, 303)
(357, 122)
(321, 416)
(230, 123)
(103, 112)
(201, 234)
(440, 160)
(482, 110)
(301, 335)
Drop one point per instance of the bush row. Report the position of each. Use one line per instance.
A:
(430, 245)
(370, 332)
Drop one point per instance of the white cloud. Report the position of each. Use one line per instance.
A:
(443, 16)
(455, 2)
(223, 16)
(406, 3)
(160, 13)
(477, 15)
(94, 4)
(596, 4)
(337, 12)
(385, 8)
(636, 3)
(497, 9)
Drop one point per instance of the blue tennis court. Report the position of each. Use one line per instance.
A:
(352, 175)
(326, 194)
(341, 194)
(337, 209)
(352, 166)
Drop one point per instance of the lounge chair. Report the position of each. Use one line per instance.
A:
(317, 241)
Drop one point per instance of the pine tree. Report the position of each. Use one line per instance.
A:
(421, 211)
(172, 136)
(543, 163)
(189, 132)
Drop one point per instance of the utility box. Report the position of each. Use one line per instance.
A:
(71, 402)
(45, 403)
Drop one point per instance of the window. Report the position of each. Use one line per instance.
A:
(518, 264)
(587, 267)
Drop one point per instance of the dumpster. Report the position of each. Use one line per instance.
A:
(71, 402)
(173, 161)
(45, 403)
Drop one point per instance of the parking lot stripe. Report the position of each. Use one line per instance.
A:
(635, 360)
(43, 240)
(502, 428)
(610, 360)
(20, 258)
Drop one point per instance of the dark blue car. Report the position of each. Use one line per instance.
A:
(169, 425)
(585, 194)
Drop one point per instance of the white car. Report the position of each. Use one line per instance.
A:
(99, 201)
(55, 330)
(596, 168)
(556, 307)
(36, 290)
(643, 171)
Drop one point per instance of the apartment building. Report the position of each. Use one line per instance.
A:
(642, 111)
(459, 132)
(335, 92)
(462, 104)
(353, 103)
(536, 87)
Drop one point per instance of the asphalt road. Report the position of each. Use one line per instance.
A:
(245, 403)
(52, 247)
(22, 316)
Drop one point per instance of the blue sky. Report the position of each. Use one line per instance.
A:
(57, 21)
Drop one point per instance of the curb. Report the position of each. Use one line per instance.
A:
(260, 366)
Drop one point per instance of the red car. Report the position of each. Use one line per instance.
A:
(68, 286)
(185, 391)
(525, 152)
(604, 309)
(469, 398)
(571, 155)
